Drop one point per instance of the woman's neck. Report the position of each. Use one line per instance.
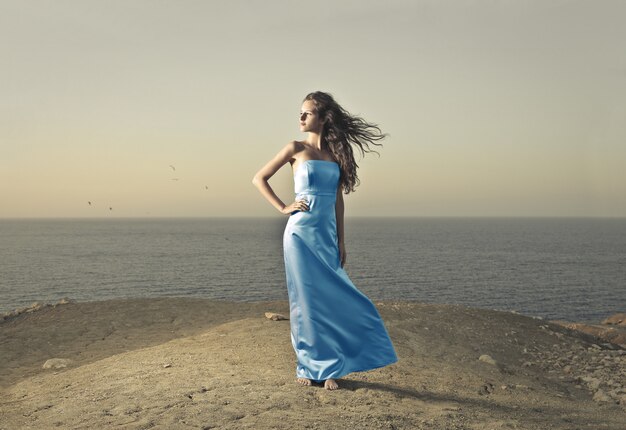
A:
(315, 140)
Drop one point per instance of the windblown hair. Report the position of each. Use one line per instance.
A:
(341, 131)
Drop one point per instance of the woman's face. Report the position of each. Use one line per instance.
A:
(309, 120)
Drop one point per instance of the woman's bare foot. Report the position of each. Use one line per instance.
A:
(303, 381)
(331, 384)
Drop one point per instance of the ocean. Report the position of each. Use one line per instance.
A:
(555, 268)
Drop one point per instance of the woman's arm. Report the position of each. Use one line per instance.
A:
(260, 180)
(339, 211)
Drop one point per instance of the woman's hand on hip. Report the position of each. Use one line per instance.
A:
(298, 205)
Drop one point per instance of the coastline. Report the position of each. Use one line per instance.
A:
(197, 363)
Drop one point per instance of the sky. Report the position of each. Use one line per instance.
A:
(169, 108)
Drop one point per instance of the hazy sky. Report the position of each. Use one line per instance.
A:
(494, 108)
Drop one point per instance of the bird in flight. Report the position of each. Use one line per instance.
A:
(174, 169)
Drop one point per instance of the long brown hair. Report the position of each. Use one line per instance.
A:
(342, 130)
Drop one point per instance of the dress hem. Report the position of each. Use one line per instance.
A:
(344, 373)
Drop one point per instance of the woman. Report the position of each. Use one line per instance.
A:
(335, 329)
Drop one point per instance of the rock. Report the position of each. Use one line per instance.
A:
(487, 359)
(615, 319)
(275, 317)
(592, 383)
(56, 363)
(614, 335)
(486, 389)
(63, 301)
(34, 307)
(601, 397)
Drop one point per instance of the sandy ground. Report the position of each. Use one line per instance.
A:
(198, 364)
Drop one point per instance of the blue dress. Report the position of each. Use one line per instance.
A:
(335, 328)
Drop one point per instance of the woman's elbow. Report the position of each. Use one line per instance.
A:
(256, 180)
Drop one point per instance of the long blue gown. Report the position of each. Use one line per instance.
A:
(335, 328)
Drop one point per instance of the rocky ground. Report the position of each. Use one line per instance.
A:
(598, 366)
(199, 364)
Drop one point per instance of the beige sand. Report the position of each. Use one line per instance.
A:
(199, 364)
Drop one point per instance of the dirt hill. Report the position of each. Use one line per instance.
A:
(199, 364)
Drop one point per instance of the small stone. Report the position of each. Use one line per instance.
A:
(275, 317)
(56, 363)
(64, 301)
(486, 389)
(34, 307)
(601, 397)
(616, 319)
(167, 365)
(487, 359)
(592, 383)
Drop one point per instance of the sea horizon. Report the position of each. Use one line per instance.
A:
(570, 268)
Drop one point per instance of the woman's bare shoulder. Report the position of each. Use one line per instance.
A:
(294, 148)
